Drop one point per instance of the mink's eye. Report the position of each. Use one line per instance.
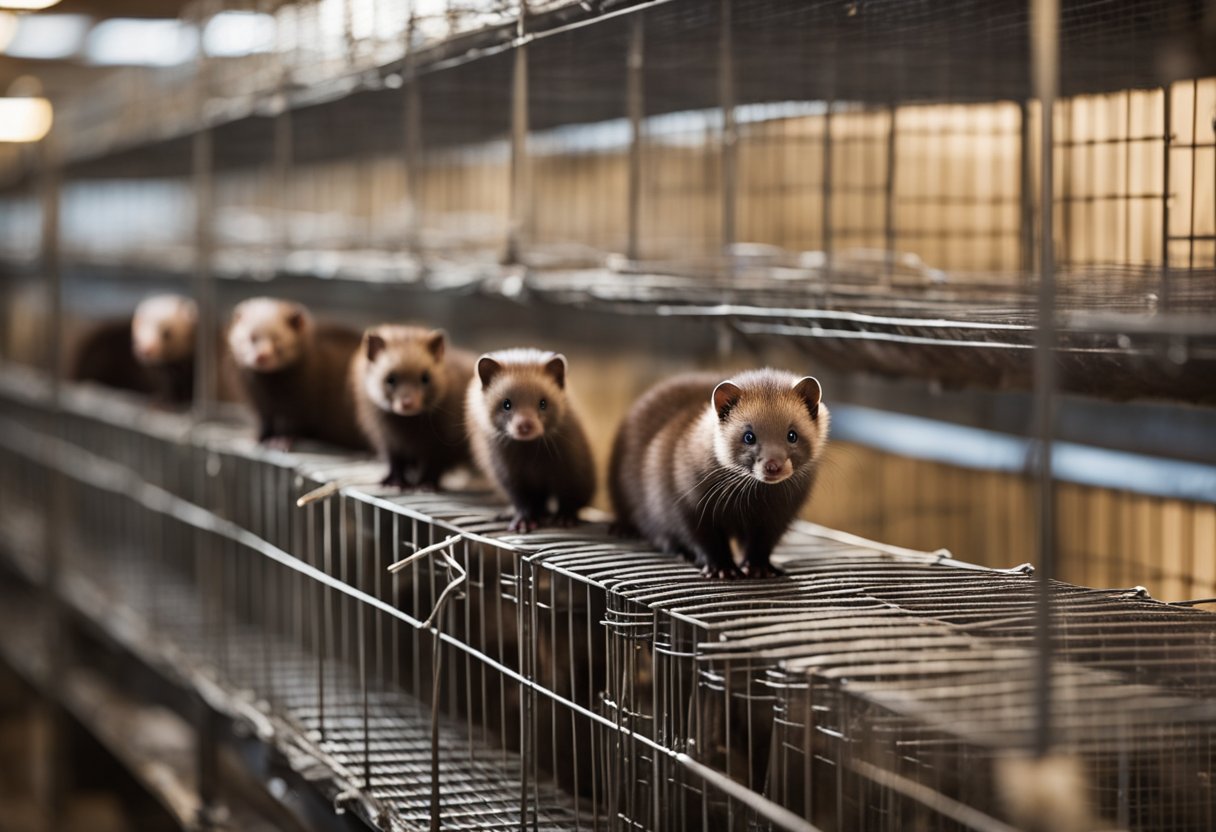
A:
(390, 380)
(543, 404)
(506, 404)
(426, 377)
(164, 334)
(792, 436)
(749, 438)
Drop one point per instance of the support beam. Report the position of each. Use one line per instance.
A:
(520, 210)
(730, 137)
(1045, 50)
(635, 69)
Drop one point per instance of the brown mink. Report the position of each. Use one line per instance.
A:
(699, 462)
(151, 352)
(293, 372)
(527, 438)
(409, 389)
(163, 338)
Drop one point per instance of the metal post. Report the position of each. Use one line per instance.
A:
(1163, 296)
(826, 195)
(520, 205)
(283, 153)
(889, 195)
(205, 370)
(635, 104)
(59, 755)
(726, 93)
(413, 144)
(1045, 48)
(1026, 194)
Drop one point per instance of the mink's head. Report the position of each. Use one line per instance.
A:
(162, 330)
(523, 392)
(770, 426)
(268, 335)
(404, 371)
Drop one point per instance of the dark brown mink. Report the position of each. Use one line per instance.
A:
(409, 389)
(527, 438)
(293, 372)
(700, 463)
(104, 356)
(164, 339)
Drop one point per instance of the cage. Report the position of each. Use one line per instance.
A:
(990, 227)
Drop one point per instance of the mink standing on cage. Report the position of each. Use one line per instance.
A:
(293, 372)
(409, 388)
(152, 352)
(527, 438)
(698, 464)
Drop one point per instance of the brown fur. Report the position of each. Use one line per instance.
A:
(104, 356)
(554, 464)
(308, 398)
(419, 447)
(682, 476)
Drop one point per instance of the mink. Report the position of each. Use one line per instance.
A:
(700, 464)
(527, 438)
(409, 388)
(293, 373)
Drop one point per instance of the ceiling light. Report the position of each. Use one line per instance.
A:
(47, 36)
(24, 119)
(233, 34)
(141, 42)
(27, 5)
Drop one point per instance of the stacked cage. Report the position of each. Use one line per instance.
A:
(854, 185)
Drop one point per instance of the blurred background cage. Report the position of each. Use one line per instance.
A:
(1016, 335)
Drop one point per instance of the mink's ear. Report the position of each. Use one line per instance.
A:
(725, 396)
(373, 344)
(295, 319)
(487, 370)
(436, 343)
(556, 369)
(810, 391)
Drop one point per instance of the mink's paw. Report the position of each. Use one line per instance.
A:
(564, 521)
(721, 573)
(395, 480)
(278, 443)
(761, 570)
(522, 524)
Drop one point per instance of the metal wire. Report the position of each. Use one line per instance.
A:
(588, 683)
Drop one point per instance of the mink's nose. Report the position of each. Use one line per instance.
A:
(772, 467)
(523, 428)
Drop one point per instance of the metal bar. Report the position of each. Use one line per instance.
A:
(889, 198)
(1194, 169)
(520, 181)
(826, 193)
(1026, 193)
(1163, 297)
(413, 141)
(635, 68)
(1045, 49)
(730, 137)
(206, 360)
(283, 154)
(59, 755)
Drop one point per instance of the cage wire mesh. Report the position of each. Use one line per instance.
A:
(858, 180)
(573, 679)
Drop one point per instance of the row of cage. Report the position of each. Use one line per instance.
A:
(580, 681)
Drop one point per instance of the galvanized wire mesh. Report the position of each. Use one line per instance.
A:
(580, 681)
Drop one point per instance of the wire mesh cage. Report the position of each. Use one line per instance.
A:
(856, 184)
